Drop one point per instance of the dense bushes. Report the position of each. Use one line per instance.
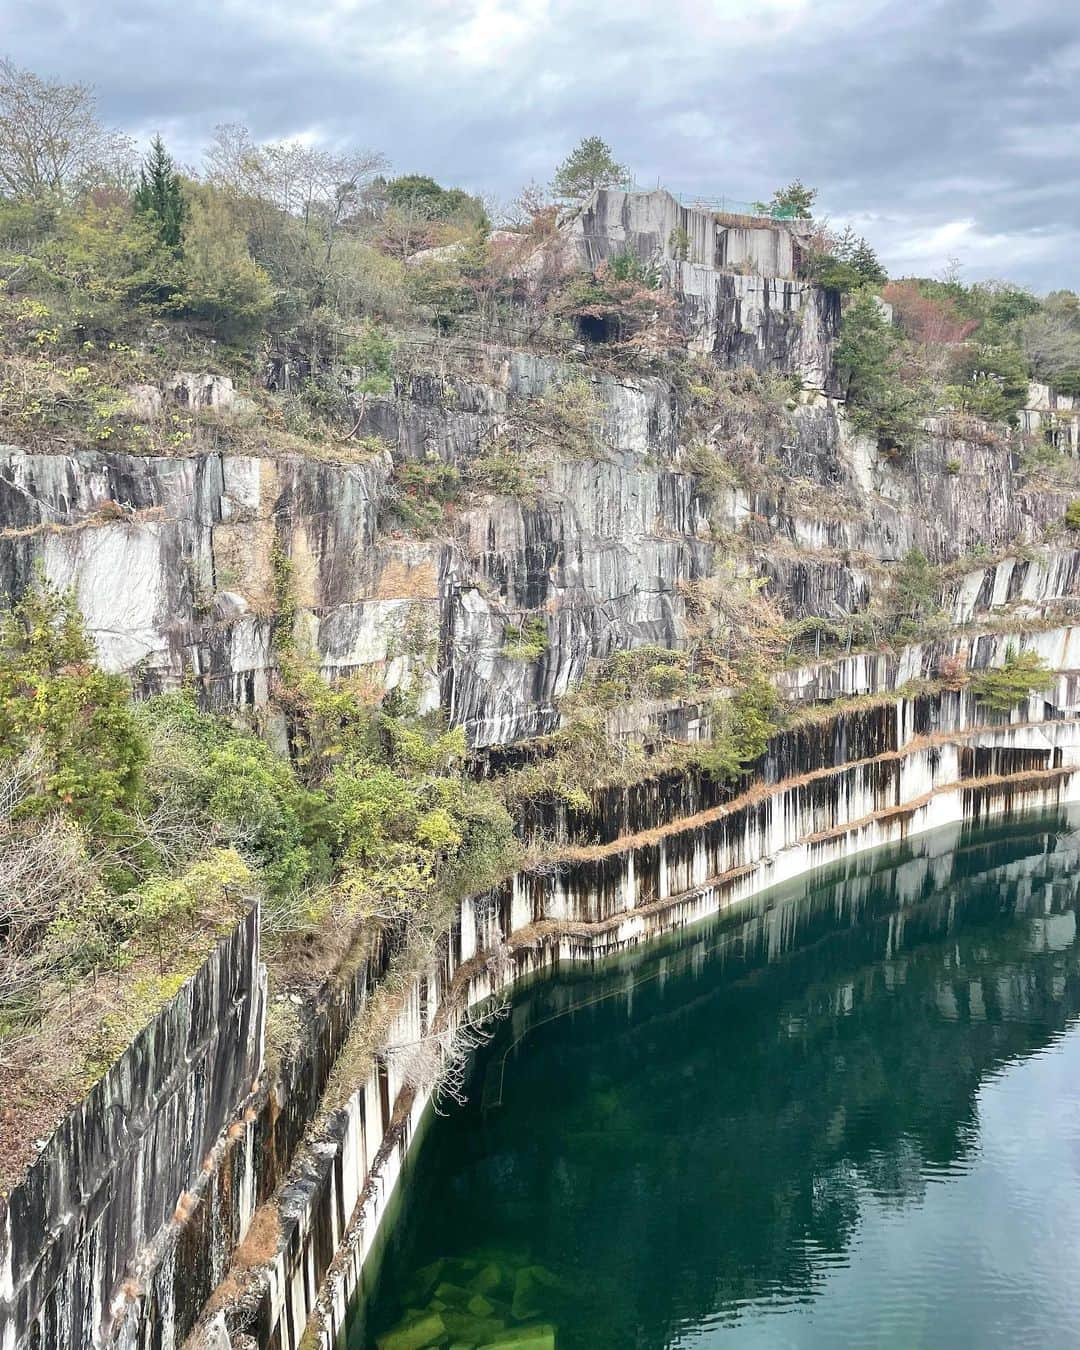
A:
(278, 264)
(914, 593)
(526, 641)
(295, 250)
(422, 493)
(988, 380)
(69, 724)
(134, 829)
(219, 786)
(843, 262)
(971, 348)
(620, 301)
(950, 346)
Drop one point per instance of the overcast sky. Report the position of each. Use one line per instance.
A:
(940, 128)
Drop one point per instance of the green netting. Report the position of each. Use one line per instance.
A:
(731, 205)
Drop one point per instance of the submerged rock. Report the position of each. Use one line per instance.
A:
(427, 1330)
(527, 1301)
(538, 1337)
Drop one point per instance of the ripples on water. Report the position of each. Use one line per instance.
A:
(847, 1115)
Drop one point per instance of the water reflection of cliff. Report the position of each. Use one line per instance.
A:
(693, 1128)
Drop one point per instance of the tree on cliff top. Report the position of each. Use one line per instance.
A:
(51, 142)
(1051, 342)
(796, 202)
(844, 262)
(587, 168)
(159, 195)
(419, 193)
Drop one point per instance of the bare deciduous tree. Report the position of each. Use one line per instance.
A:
(43, 864)
(324, 190)
(51, 142)
(438, 1062)
(234, 161)
(1051, 339)
(303, 180)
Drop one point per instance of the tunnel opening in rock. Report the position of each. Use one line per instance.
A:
(597, 328)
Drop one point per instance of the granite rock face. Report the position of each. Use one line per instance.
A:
(616, 533)
(736, 278)
(172, 558)
(657, 228)
(607, 545)
(1053, 416)
(108, 1181)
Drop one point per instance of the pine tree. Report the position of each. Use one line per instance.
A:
(795, 202)
(865, 262)
(846, 244)
(587, 168)
(160, 196)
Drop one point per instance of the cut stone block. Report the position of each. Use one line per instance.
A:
(427, 1330)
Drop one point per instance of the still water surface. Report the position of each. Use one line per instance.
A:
(847, 1114)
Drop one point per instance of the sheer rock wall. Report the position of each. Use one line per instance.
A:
(887, 775)
(96, 1212)
(172, 558)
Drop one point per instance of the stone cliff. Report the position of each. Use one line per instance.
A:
(510, 514)
(172, 557)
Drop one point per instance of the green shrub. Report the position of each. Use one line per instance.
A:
(636, 673)
(679, 243)
(424, 489)
(211, 883)
(372, 353)
(440, 287)
(103, 265)
(1022, 673)
(415, 830)
(915, 590)
(221, 285)
(527, 641)
(713, 469)
(627, 266)
(224, 787)
(990, 380)
(570, 416)
(745, 724)
(1072, 515)
(505, 471)
(56, 703)
(816, 634)
(24, 223)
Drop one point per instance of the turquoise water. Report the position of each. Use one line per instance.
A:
(846, 1115)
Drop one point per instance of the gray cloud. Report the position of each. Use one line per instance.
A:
(940, 127)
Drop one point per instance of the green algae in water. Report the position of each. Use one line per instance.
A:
(846, 1114)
